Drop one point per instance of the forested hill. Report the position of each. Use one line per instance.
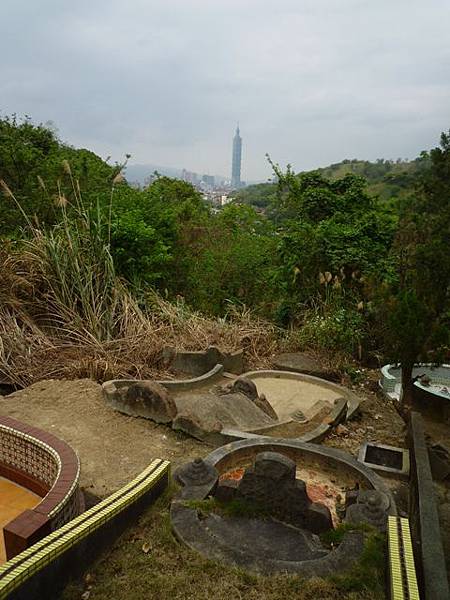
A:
(386, 179)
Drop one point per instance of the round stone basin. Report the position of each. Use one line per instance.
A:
(268, 545)
(290, 392)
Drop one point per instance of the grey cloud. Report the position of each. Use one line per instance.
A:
(311, 82)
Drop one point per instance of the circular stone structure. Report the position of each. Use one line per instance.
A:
(290, 392)
(272, 545)
(431, 391)
(218, 407)
(307, 407)
(47, 467)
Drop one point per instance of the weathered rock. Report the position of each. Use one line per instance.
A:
(299, 362)
(191, 424)
(372, 507)
(262, 403)
(200, 413)
(318, 518)
(196, 363)
(226, 490)
(146, 399)
(270, 485)
(245, 386)
(274, 466)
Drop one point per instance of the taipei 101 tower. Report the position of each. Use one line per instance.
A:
(236, 162)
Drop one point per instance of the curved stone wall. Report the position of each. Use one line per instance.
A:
(327, 459)
(211, 538)
(196, 363)
(47, 466)
(428, 399)
(391, 375)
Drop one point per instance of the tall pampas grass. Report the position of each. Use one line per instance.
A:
(64, 313)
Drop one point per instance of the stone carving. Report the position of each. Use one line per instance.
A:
(196, 478)
(146, 399)
(371, 507)
(246, 387)
(197, 472)
(270, 485)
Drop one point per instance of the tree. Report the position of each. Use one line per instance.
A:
(39, 169)
(147, 229)
(328, 226)
(416, 302)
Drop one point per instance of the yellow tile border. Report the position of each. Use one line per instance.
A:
(409, 560)
(403, 580)
(33, 559)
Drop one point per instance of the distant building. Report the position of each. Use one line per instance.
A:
(189, 176)
(236, 160)
(209, 180)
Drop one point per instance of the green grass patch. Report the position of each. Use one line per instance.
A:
(235, 508)
(368, 572)
(168, 570)
(333, 537)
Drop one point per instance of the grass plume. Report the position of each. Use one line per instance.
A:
(64, 313)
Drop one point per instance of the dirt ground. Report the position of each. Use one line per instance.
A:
(378, 420)
(113, 448)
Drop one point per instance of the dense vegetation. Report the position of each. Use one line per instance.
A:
(351, 260)
(389, 180)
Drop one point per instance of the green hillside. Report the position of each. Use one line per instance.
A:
(386, 179)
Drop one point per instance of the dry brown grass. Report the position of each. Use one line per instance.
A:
(42, 339)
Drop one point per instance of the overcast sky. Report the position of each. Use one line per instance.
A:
(310, 81)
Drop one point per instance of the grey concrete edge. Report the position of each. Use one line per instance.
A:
(353, 401)
(188, 528)
(177, 384)
(187, 384)
(317, 434)
(324, 451)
